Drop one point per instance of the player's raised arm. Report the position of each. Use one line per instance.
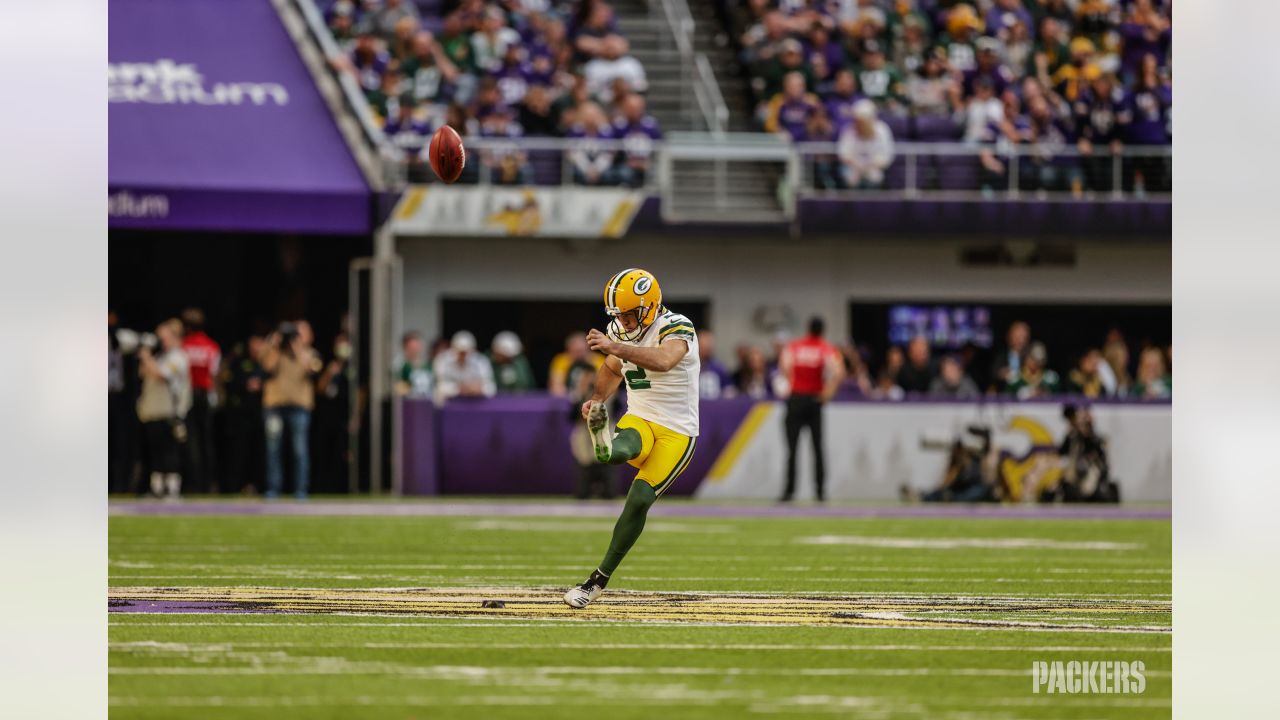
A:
(608, 377)
(659, 359)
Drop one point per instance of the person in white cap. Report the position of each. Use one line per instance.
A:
(511, 368)
(461, 371)
(865, 148)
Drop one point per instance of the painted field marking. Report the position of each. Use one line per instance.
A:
(955, 543)
(162, 646)
(525, 603)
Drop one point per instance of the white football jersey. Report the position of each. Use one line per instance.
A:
(670, 398)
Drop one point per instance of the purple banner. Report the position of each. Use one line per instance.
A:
(519, 445)
(216, 124)
(1144, 220)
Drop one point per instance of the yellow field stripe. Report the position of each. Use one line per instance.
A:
(741, 437)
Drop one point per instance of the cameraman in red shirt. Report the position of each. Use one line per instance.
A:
(813, 369)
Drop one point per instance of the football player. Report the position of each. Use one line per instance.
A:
(656, 352)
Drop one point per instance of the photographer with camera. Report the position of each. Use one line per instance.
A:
(1086, 475)
(163, 405)
(968, 477)
(288, 397)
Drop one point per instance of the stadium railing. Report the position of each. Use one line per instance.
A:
(920, 171)
(700, 87)
(351, 96)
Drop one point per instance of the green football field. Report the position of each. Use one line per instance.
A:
(373, 610)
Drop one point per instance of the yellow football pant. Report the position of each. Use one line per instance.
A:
(664, 453)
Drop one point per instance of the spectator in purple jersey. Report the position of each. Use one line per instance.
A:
(512, 76)
(592, 163)
(1004, 13)
(866, 148)
(844, 93)
(1101, 119)
(1148, 105)
(988, 65)
(1145, 31)
(368, 62)
(820, 129)
(540, 69)
(488, 100)
(714, 380)
(638, 132)
(409, 132)
(789, 111)
(536, 116)
(825, 57)
(508, 165)
(1046, 169)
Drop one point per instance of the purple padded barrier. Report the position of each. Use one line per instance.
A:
(545, 166)
(430, 8)
(895, 178)
(958, 172)
(899, 125)
(937, 128)
(519, 445)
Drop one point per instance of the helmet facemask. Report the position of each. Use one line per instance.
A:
(644, 315)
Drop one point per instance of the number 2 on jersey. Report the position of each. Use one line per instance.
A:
(636, 379)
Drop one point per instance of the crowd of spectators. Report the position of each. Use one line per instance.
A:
(1020, 370)
(501, 70)
(186, 417)
(1041, 74)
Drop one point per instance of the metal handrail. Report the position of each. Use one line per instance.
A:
(792, 160)
(702, 89)
(352, 94)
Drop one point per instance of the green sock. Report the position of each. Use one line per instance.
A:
(630, 524)
(626, 445)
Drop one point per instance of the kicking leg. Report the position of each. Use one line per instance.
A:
(625, 533)
(661, 460)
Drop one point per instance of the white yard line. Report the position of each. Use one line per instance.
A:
(340, 666)
(159, 646)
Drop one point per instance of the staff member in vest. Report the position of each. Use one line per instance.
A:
(288, 397)
(162, 405)
(813, 370)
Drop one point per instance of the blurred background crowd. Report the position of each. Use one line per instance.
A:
(274, 411)
(500, 70)
(1043, 74)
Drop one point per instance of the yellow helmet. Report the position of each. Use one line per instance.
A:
(632, 290)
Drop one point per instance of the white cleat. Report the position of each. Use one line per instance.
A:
(601, 433)
(586, 593)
